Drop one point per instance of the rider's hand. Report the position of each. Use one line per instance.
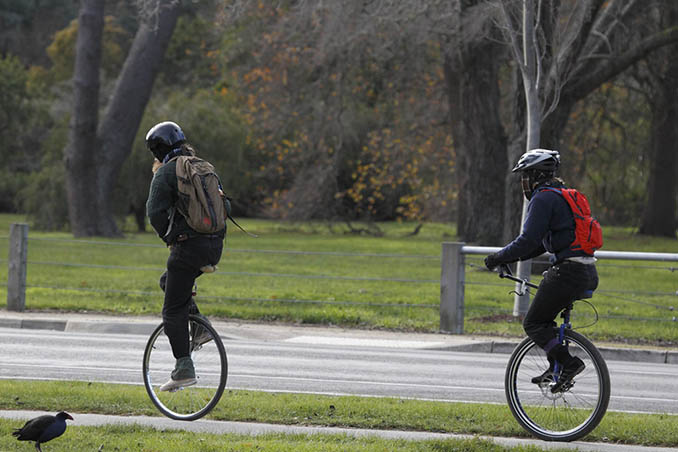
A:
(491, 261)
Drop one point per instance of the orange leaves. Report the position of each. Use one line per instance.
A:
(366, 127)
(258, 74)
(398, 167)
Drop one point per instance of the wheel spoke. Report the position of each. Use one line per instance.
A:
(211, 367)
(562, 416)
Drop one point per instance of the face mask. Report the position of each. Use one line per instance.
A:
(527, 185)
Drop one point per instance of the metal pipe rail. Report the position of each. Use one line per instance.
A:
(619, 255)
(452, 277)
(452, 280)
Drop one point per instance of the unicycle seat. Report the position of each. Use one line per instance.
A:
(585, 294)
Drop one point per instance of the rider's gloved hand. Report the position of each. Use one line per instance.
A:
(492, 262)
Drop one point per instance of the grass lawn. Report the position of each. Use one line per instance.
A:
(340, 411)
(314, 273)
(320, 274)
(143, 439)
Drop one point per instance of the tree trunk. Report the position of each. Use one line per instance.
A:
(94, 157)
(123, 115)
(139, 213)
(659, 217)
(80, 154)
(513, 193)
(471, 75)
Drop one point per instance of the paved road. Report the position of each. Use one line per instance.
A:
(319, 364)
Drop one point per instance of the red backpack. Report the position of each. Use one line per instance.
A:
(588, 235)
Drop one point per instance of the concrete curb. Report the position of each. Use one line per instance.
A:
(146, 327)
(609, 353)
(80, 326)
(142, 328)
(36, 324)
(252, 429)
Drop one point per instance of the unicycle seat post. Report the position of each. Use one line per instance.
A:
(565, 314)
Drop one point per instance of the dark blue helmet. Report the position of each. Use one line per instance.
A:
(163, 138)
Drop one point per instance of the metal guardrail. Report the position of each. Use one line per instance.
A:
(453, 278)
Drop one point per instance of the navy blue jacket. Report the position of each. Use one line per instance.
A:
(549, 226)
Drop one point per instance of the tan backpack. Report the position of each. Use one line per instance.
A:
(201, 199)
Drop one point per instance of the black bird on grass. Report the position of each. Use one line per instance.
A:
(43, 428)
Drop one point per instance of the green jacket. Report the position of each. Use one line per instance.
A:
(162, 199)
(161, 209)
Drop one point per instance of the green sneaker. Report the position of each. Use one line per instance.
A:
(183, 375)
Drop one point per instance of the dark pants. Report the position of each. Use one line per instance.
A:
(562, 284)
(183, 267)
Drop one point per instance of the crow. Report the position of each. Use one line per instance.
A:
(43, 428)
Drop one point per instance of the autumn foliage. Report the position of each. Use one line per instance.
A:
(341, 130)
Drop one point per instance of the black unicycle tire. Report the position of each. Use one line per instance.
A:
(214, 399)
(599, 375)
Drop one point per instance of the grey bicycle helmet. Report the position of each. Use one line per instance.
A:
(538, 159)
(163, 138)
(536, 166)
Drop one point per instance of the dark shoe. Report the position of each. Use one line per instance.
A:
(182, 375)
(566, 378)
(546, 377)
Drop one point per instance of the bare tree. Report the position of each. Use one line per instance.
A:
(96, 151)
(564, 50)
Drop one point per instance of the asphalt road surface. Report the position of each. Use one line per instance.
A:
(308, 365)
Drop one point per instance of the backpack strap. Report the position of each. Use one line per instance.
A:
(557, 190)
(227, 202)
(228, 215)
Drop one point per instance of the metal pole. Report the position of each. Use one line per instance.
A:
(16, 275)
(452, 288)
(522, 302)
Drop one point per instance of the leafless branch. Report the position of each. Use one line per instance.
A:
(510, 28)
(610, 18)
(149, 10)
(538, 55)
(614, 66)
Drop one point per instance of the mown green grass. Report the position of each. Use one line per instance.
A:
(146, 439)
(366, 282)
(339, 411)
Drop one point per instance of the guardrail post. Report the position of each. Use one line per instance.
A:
(16, 274)
(452, 288)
